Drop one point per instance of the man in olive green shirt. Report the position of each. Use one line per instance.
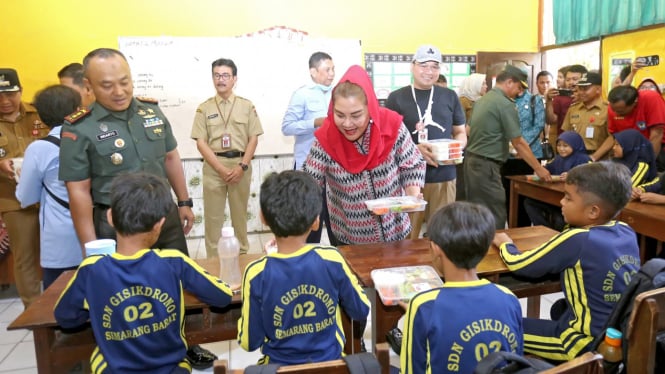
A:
(495, 123)
(116, 135)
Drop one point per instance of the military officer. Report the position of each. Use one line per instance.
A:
(19, 126)
(118, 134)
(226, 130)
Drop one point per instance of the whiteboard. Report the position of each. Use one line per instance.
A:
(177, 71)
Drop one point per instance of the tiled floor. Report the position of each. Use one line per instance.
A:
(17, 354)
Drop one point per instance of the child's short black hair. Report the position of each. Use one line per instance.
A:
(605, 183)
(290, 202)
(53, 103)
(138, 202)
(464, 231)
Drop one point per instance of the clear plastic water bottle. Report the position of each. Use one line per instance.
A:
(228, 249)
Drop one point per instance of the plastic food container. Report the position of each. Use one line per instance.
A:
(403, 283)
(447, 150)
(397, 204)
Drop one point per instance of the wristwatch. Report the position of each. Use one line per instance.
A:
(187, 202)
(244, 167)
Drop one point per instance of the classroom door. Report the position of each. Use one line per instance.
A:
(491, 63)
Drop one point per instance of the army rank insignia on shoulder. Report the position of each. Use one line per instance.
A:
(78, 115)
(149, 100)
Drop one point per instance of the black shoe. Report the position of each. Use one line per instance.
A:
(200, 358)
(394, 338)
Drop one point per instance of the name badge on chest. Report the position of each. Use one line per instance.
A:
(422, 132)
(226, 141)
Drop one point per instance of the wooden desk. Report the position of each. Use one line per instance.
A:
(364, 258)
(548, 192)
(57, 351)
(647, 220)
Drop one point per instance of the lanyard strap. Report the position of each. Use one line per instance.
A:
(421, 116)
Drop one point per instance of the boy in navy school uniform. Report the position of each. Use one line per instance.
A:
(133, 297)
(292, 299)
(450, 329)
(595, 259)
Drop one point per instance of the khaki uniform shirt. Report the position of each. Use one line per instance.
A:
(590, 122)
(14, 139)
(101, 144)
(236, 117)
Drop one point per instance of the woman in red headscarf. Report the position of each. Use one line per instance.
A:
(364, 152)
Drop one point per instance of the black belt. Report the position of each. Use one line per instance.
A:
(230, 154)
(101, 206)
(467, 153)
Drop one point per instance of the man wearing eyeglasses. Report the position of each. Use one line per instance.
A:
(226, 130)
(430, 112)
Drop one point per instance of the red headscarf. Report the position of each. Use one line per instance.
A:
(383, 133)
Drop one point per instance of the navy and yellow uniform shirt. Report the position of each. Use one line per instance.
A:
(136, 308)
(291, 305)
(100, 144)
(450, 329)
(595, 266)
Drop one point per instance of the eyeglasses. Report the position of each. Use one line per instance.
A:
(425, 66)
(225, 76)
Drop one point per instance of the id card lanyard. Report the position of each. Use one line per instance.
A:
(226, 137)
(425, 119)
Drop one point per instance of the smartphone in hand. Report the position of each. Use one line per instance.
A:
(565, 92)
(652, 60)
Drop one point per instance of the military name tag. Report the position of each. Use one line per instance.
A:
(107, 135)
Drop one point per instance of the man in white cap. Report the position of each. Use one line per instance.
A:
(19, 126)
(495, 123)
(430, 112)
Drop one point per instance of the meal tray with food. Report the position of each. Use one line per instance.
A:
(396, 204)
(402, 283)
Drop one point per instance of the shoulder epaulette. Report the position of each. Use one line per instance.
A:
(78, 115)
(150, 100)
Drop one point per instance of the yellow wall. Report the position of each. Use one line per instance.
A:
(41, 36)
(635, 44)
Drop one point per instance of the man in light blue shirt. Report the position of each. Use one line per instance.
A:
(309, 106)
(38, 182)
(307, 110)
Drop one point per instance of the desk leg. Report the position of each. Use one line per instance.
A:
(533, 306)
(513, 204)
(384, 318)
(44, 340)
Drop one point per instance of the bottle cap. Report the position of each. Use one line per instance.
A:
(228, 232)
(613, 337)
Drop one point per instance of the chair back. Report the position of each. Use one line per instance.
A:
(646, 321)
(326, 367)
(588, 363)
